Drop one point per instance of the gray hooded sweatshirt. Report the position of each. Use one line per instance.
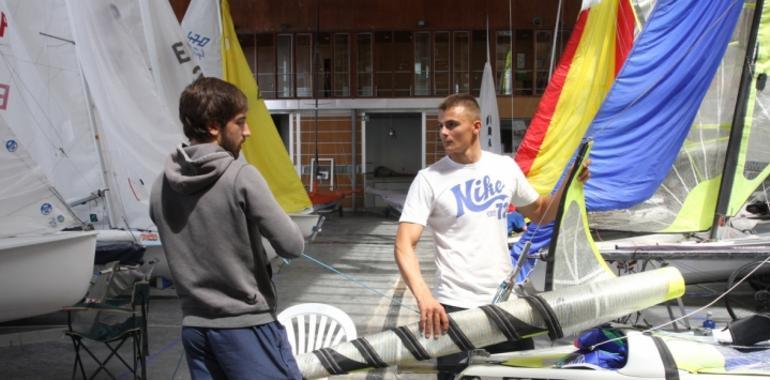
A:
(211, 212)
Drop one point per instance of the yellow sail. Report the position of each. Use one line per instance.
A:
(264, 149)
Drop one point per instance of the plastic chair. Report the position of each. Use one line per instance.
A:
(311, 326)
(113, 312)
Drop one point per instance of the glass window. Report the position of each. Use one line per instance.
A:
(503, 62)
(422, 64)
(383, 64)
(285, 66)
(522, 62)
(324, 69)
(249, 51)
(266, 65)
(341, 65)
(461, 62)
(561, 42)
(543, 42)
(512, 132)
(478, 59)
(441, 80)
(364, 64)
(403, 53)
(303, 57)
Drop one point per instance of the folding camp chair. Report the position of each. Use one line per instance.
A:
(113, 312)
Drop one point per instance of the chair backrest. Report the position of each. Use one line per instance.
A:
(311, 326)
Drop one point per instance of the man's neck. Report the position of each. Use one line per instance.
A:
(469, 156)
(197, 141)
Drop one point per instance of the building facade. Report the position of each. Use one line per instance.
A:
(353, 85)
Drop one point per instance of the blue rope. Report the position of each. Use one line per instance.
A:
(178, 361)
(357, 281)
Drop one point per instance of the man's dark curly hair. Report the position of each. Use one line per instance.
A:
(206, 101)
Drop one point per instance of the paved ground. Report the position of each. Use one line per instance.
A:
(370, 291)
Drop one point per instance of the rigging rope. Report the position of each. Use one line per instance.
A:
(354, 280)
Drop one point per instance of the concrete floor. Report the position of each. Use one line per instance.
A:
(369, 290)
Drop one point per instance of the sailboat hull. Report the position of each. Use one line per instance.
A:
(42, 274)
(699, 262)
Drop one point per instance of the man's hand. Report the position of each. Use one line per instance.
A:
(434, 320)
(584, 174)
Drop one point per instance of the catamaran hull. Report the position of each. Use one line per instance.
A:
(644, 362)
(699, 262)
(500, 372)
(42, 274)
(575, 308)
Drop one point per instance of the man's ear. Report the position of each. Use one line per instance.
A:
(477, 126)
(214, 129)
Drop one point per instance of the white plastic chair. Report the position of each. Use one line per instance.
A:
(311, 326)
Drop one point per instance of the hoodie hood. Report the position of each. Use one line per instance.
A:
(195, 167)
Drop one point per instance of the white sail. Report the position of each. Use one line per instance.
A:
(202, 27)
(490, 116)
(28, 203)
(173, 65)
(46, 107)
(135, 128)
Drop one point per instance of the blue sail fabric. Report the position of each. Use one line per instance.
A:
(647, 114)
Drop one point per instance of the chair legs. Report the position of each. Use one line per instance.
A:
(78, 362)
(139, 356)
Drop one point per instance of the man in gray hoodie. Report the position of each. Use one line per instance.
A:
(212, 212)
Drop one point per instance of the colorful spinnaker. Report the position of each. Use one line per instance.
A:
(595, 52)
(686, 199)
(648, 112)
(600, 41)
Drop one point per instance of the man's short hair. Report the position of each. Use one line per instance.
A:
(465, 100)
(209, 100)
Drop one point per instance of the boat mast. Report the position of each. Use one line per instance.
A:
(555, 38)
(736, 132)
(111, 200)
(316, 83)
(109, 197)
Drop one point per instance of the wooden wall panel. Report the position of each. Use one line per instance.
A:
(433, 148)
(523, 106)
(334, 141)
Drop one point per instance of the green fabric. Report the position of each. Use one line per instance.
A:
(756, 124)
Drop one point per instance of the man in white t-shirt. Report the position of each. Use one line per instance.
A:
(464, 199)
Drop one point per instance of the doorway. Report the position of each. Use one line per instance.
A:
(393, 146)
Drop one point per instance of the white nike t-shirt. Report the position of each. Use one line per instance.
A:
(466, 207)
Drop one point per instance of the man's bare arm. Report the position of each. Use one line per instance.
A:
(544, 209)
(433, 317)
